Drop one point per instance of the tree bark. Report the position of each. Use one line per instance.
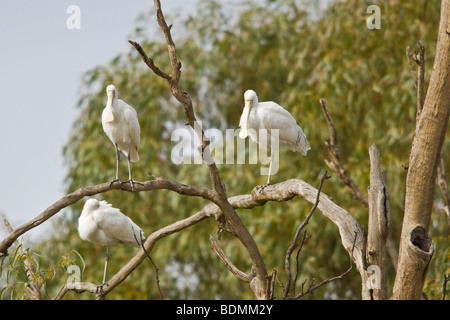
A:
(378, 227)
(416, 248)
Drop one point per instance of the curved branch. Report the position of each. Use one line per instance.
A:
(73, 197)
(78, 287)
(350, 231)
(234, 270)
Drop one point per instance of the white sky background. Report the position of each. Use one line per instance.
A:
(41, 63)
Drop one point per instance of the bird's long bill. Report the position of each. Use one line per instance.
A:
(109, 117)
(244, 120)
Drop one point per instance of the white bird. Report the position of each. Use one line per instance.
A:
(100, 223)
(269, 116)
(121, 125)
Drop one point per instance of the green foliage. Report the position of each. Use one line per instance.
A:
(23, 270)
(287, 52)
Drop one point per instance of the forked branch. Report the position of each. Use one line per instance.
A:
(312, 286)
(295, 244)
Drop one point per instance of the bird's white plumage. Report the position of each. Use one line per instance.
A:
(121, 125)
(100, 223)
(270, 116)
(276, 123)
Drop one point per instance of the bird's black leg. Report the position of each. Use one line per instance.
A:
(100, 288)
(131, 181)
(112, 182)
(261, 188)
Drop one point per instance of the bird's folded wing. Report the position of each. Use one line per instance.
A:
(117, 226)
(134, 130)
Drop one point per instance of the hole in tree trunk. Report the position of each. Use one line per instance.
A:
(420, 238)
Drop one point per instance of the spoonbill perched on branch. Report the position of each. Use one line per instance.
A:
(275, 121)
(121, 125)
(100, 223)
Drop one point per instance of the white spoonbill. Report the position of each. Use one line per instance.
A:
(270, 116)
(121, 125)
(100, 223)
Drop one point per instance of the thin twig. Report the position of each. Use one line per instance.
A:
(78, 287)
(411, 65)
(141, 243)
(149, 61)
(313, 287)
(273, 277)
(294, 243)
(441, 181)
(335, 164)
(297, 273)
(444, 285)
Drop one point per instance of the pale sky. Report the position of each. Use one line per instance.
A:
(41, 63)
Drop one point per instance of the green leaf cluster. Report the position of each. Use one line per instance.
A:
(25, 269)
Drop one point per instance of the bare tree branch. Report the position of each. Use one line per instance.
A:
(379, 220)
(444, 285)
(234, 270)
(297, 273)
(334, 154)
(141, 243)
(441, 181)
(78, 287)
(313, 286)
(235, 223)
(73, 197)
(339, 169)
(149, 61)
(294, 243)
(411, 65)
(283, 191)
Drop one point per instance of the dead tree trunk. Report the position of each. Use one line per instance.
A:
(416, 248)
(378, 227)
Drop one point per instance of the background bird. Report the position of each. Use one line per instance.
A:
(121, 125)
(100, 223)
(269, 116)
